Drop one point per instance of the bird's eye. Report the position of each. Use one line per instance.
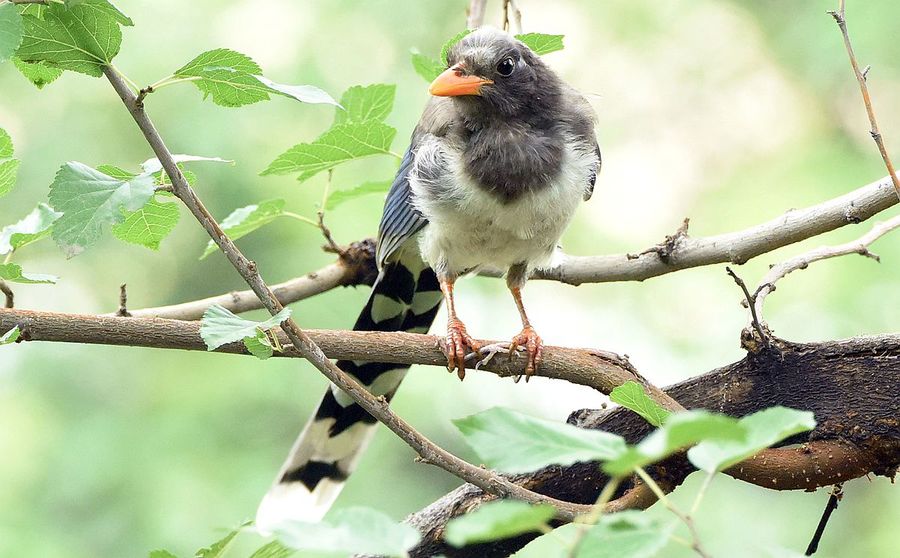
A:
(506, 66)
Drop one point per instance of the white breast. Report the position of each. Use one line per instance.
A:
(469, 228)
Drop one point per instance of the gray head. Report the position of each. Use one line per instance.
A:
(491, 74)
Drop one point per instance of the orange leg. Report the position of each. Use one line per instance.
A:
(458, 340)
(527, 338)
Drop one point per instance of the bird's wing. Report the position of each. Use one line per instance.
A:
(592, 180)
(400, 220)
(579, 117)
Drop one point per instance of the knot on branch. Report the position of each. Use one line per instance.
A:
(667, 247)
(359, 258)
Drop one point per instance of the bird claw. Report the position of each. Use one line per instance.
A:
(455, 348)
(487, 353)
(534, 348)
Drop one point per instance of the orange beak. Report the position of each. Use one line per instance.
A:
(453, 83)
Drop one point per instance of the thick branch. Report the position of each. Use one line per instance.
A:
(736, 247)
(849, 385)
(356, 266)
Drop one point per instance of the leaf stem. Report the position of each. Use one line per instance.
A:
(596, 513)
(134, 86)
(300, 218)
(686, 519)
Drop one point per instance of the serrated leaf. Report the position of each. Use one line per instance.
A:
(162, 554)
(10, 336)
(632, 396)
(764, 428)
(227, 76)
(302, 93)
(245, 220)
(90, 201)
(259, 345)
(426, 66)
(516, 443)
(338, 197)
(220, 326)
(9, 167)
(153, 165)
(540, 43)
(364, 103)
(38, 73)
(106, 6)
(351, 531)
(33, 227)
(160, 178)
(342, 143)
(10, 30)
(497, 520)
(445, 50)
(679, 431)
(627, 534)
(82, 38)
(273, 549)
(218, 548)
(149, 225)
(13, 273)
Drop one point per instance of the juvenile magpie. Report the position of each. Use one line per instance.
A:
(502, 156)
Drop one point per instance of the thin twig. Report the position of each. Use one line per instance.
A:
(841, 20)
(836, 495)
(751, 304)
(8, 293)
(802, 261)
(123, 312)
(685, 518)
(375, 406)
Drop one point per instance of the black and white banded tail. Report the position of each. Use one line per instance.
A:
(405, 297)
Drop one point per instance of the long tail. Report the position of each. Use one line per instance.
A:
(406, 296)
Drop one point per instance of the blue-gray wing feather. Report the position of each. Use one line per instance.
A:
(400, 220)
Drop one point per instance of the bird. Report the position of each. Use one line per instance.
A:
(501, 158)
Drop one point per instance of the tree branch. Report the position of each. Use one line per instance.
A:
(736, 247)
(850, 386)
(859, 246)
(475, 14)
(356, 266)
(376, 406)
(841, 20)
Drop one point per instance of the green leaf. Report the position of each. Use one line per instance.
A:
(35, 226)
(445, 50)
(162, 554)
(679, 431)
(302, 93)
(273, 549)
(259, 345)
(632, 396)
(541, 44)
(10, 30)
(149, 225)
(10, 336)
(38, 73)
(361, 104)
(627, 534)
(91, 200)
(153, 165)
(106, 6)
(9, 167)
(82, 38)
(351, 531)
(497, 520)
(13, 272)
(516, 443)
(338, 197)
(227, 76)
(218, 548)
(342, 143)
(220, 326)
(764, 428)
(425, 66)
(245, 220)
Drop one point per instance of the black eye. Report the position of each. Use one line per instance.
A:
(506, 66)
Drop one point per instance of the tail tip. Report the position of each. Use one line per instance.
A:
(287, 502)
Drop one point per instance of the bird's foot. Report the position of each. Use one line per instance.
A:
(455, 348)
(534, 348)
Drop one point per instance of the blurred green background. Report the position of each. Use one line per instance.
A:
(728, 112)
